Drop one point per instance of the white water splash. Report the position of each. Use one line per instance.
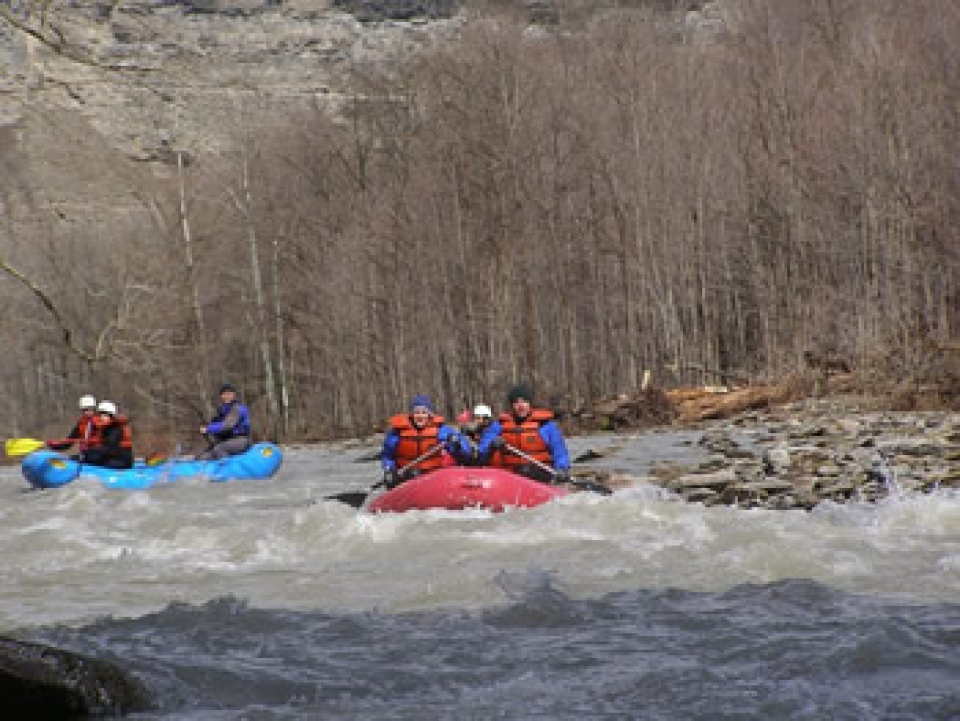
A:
(84, 551)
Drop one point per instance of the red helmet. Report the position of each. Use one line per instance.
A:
(464, 417)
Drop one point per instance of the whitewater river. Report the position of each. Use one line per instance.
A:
(257, 600)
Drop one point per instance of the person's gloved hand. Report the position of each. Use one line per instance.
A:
(391, 479)
(562, 477)
(498, 443)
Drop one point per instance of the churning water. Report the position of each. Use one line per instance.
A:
(258, 600)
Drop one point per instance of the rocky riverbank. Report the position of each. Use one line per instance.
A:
(799, 454)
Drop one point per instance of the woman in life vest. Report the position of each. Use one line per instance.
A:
(229, 430)
(112, 440)
(417, 441)
(82, 433)
(533, 432)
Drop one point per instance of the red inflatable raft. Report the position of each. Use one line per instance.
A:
(458, 488)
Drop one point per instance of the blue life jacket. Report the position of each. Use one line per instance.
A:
(242, 428)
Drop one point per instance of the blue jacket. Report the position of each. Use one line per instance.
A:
(455, 443)
(231, 421)
(550, 433)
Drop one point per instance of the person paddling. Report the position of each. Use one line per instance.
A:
(82, 431)
(111, 440)
(531, 431)
(229, 429)
(473, 424)
(415, 434)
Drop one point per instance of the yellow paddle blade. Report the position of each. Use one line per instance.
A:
(155, 459)
(23, 446)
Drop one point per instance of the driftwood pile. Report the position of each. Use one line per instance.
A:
(657, 407)
(644, 409)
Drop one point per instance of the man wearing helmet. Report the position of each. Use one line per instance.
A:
(112, 445)
(83, 430)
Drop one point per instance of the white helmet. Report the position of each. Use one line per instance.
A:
(107, 407)
(87, 402)
(482, 411)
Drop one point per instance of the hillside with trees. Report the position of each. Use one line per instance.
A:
(570, 203)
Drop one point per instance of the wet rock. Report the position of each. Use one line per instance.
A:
(714, 464)
(700, 495)
(951, 480)
(841, 490)
(368, 457)
(776, 460)
(768, 488)
(718, 480)
(829, 470)
(912, 447)
(42, 682)
(588, 455)
(616, 481)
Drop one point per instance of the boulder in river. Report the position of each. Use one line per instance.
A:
(42, 682)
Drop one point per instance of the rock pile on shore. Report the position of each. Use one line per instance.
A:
(800, 454)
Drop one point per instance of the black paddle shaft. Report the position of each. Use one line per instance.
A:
(358, 498)
(585, 485)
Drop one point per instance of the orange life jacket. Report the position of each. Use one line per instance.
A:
(96, 434)
(524, 436)
(87, 428)
(414, 442)
(127, 440)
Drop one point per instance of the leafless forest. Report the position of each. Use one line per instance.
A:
(566, 206)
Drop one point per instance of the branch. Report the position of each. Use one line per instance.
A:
(52, 309)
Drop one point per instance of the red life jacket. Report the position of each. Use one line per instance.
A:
(127, 440)
(96, 434)
(524, 436)
(87, 428)
(414, 442)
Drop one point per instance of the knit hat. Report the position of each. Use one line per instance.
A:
(421, 401)
(228, 387)
(519, 391)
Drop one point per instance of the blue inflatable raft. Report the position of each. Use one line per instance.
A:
(47, 469)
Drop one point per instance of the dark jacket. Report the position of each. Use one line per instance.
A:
(115, 447)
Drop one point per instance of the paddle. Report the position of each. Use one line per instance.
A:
(25, 446)
(358, 498)
(211, 442)
(156, 458)
(579, 483)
